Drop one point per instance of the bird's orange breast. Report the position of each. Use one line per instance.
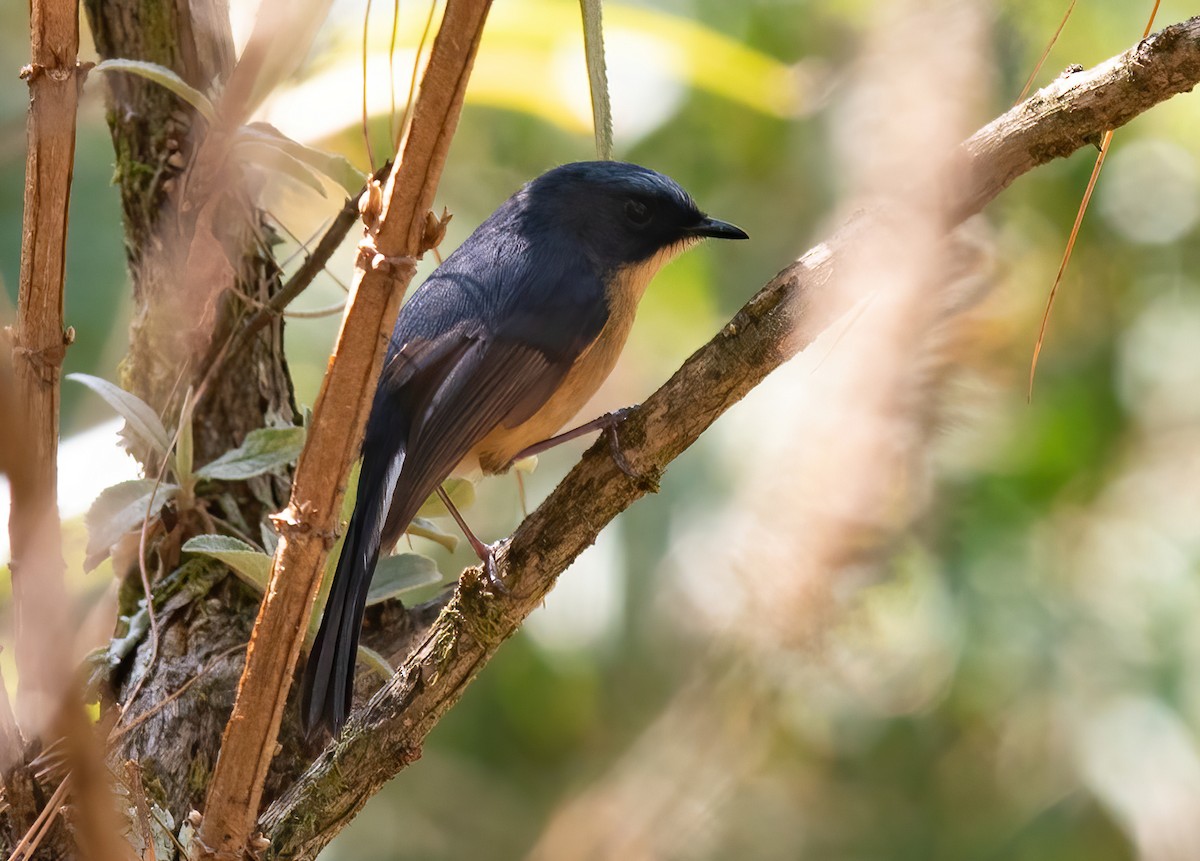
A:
(625, 289)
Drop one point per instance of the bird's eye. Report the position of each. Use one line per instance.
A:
(637, 212)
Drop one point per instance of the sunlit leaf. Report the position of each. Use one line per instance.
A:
(523, 47)
(335, 167)
(137, 413)
(262, 451)
(184, 444)
(164, 77)
(274, 158)
(118, 510)
(375, 662)
(526, 464)
(461, 493)
(425, 528)
(460, 490)
(283, 33)
(251, 565)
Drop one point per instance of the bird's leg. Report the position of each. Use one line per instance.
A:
(607, 423)
(485, 552)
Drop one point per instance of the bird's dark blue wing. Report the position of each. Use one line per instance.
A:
(486, 340)
(456, 383)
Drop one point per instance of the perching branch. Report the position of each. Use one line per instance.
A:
(780, 320)
(397, 233)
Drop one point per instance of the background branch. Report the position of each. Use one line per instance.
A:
(388, 732)
(39, 342)
(48, 705)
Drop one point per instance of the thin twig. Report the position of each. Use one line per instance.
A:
(1105, 143)
(392, 69)
(313, 265)
(32, 838)
(303, 248)
(412, 80)
(366, 131)
(1037, 67)
(316, 313)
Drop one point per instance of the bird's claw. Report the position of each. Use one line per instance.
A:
(490, 576)
(614, 419)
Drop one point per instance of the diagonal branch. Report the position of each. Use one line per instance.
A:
(398, 231)
(772, 327)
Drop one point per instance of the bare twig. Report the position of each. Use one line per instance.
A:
(397, 232)
(47, 703)
(39, 342)
(30, 842)
(780, 320)
(312, 266)
(1105, 144)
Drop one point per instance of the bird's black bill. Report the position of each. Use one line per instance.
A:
(718, 230)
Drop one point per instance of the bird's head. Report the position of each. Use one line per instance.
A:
(622, 213)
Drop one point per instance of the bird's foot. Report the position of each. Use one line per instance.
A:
(485, 552)
(610, 423)
(606, 423)
(490, 576)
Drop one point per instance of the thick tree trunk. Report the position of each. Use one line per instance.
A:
(192, 268)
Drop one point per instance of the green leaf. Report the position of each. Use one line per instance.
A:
(137, 626)
(461, 493)
(336, 167)
(137, 413)
(376, 662)
(118, 510)
(274, 158)
(263, 450)
(423, 528)
(164, 77)
(251, 565)
(395, 575)
(460, 490)
(351, 495)
(526, 465)
(184, 450)
(593, 48)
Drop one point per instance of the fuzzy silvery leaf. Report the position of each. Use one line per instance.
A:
(336, 167)
(461, 493)
(424, 528)
(137, 413)
(395, 575)
(252, 566)
(262, 451)
(164, 77)
(118, 510)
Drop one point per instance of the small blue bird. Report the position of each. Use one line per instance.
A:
(499, 348)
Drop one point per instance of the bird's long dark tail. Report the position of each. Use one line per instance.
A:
(328, 686)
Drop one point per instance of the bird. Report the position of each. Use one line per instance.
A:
(501, 346)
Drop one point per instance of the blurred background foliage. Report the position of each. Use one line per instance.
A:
(1021, 678)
